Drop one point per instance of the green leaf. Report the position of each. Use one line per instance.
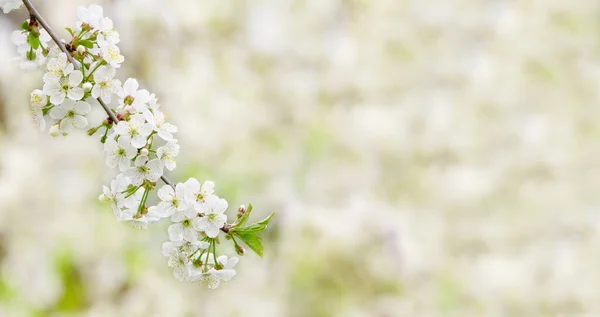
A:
(245, 216)
(70, 31)
(87, 43)
(33, 40)
(25, 26)
(252, 240)
(255, 227)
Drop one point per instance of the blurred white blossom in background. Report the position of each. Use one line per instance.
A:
(425, 158)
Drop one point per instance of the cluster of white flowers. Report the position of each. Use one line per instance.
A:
(137, 139)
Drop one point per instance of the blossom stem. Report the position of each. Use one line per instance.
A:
(33, 12)
(214, 247)
(94, 70)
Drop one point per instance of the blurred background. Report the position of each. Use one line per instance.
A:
(424, 158)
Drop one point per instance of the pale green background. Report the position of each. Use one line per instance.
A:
(424, 158)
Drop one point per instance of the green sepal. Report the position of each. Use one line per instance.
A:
(33, 40)
(70, 31)
(31, 55)
(47, 109)
(25, 26)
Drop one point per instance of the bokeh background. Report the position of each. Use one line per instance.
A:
(424, 158)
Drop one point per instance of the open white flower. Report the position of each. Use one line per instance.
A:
(65, 87)
(116, 198)
(9, 5)
(171, 200)
(183, 228)
(168, 153)
(108, 36)
(112, 55)
(164, 129)
(30, 58)
(181, 265)
(71, 114)
(119, 153)
(38, 100)
(145, 169)
(58, 68)
(226, 271)
(209, 278)
(105, 83)
(130, 96)
(136, 129)
(197, 195)
(91, 16)
(214, 217)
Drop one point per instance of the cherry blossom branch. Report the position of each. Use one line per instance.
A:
(197, 214)
(34, 14)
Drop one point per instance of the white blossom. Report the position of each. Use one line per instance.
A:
(119, 153)
(181, 265)
(145, 169)
(183, 227)
(105, 84)
(214, 217)
(58, 67)
(168, 153)
(9, 5)
(164, 129)
(225, 270)
(30, 58)
(71, 114)
(136, 129)
(116, 198)
(171, 200)
(91, 16)
(65, 87)
(197, 194)
(112, 55)
(130, 96)
(38, 100)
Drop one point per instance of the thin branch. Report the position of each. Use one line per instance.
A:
(36, 15)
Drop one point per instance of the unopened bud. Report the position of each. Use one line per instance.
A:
(91, 131)
(81, 49)
(144, 152)
(102, 198)
(54, 130)
(87, 87)
(241, 211)
(240, 250)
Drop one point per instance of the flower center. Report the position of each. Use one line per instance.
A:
(129, 100)
(113, 54)
(71, 114)
(142, 169)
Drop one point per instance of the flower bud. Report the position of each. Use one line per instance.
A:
(54, 130)
(241, 211)
(144, 152)
(81, 49)
(87, 87)
(240, 249)
(102, 198)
